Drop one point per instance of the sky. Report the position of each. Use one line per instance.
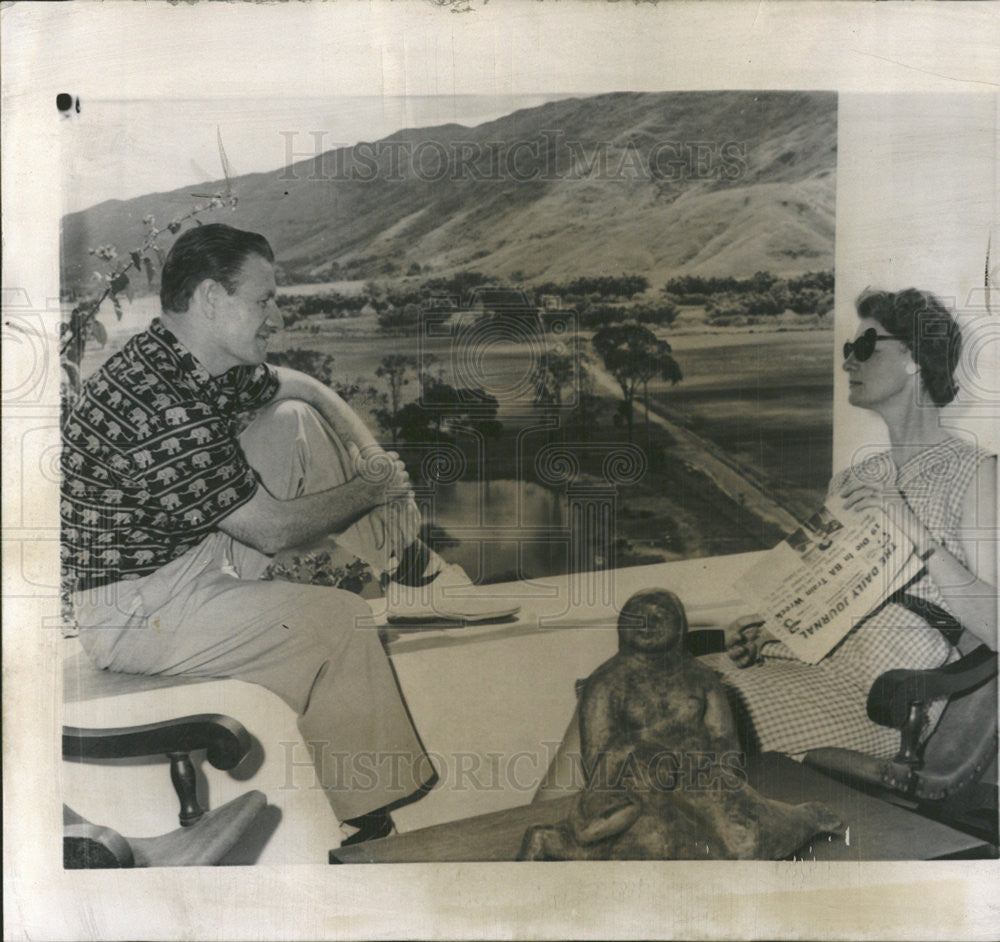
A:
(119, 149)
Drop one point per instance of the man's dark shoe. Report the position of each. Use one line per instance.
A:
(370, 827)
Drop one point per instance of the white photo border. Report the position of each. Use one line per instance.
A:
(888, 231)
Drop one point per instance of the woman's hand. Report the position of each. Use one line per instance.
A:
(744, 636)
(890, 500)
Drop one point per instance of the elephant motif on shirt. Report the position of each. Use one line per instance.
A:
(201, 435)
(113, 495)
(201, 460)
(166, 475)
(143, 459)
(227, 497)
(194, 517)
(176, 416)
(171, 446)
(198, 487)
(143, 557)
(170, 501)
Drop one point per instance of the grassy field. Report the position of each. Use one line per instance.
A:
(767, 399)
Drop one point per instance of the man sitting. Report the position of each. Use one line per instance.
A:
(170, 517)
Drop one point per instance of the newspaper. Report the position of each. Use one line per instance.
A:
(816, 585)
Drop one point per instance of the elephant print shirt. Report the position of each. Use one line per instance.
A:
(150, 458)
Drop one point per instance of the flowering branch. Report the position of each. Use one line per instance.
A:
(83, 323)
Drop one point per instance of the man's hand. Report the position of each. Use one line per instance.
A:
(383, 470)
(390, 485)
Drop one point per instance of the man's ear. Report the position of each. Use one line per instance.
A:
(207, 295)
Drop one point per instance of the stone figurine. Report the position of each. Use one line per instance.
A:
(663, 767)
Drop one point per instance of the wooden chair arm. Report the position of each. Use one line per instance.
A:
(894, 692)
(948, 762)
(846, 765)
(89, 846)
(225, 740)
(704, 641)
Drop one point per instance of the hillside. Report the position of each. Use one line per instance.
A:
(658, 184)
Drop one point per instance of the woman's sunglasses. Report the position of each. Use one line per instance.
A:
(864, 346)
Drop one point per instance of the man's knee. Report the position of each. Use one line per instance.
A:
(287, 422)
(293, 449)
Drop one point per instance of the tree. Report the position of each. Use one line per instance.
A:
(552, 375)
(634, 355)
(394, 319)
(395, 370)
(444, 409)
(583, 419)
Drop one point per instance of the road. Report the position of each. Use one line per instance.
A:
(706, 457)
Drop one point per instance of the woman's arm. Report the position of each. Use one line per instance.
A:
(969, 590)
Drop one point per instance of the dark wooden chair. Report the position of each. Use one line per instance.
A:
(940, 775)
(204, 837)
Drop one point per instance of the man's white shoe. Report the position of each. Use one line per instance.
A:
(449, 596)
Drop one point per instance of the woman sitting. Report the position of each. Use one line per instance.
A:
(940, 490)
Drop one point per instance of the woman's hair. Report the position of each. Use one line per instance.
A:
(215, 251)
(924, 324)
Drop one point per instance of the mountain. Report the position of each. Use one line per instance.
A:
(657, 184)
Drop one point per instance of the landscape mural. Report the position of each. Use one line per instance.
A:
(627, 295)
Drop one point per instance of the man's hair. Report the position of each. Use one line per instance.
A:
(215, 251)
(924, 324)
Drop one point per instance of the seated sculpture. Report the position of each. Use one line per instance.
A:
(664, 775)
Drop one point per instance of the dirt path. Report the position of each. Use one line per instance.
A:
(705, 456)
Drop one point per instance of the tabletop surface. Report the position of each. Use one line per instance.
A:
(877, 830)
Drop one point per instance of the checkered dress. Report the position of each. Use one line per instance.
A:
(792, 706)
